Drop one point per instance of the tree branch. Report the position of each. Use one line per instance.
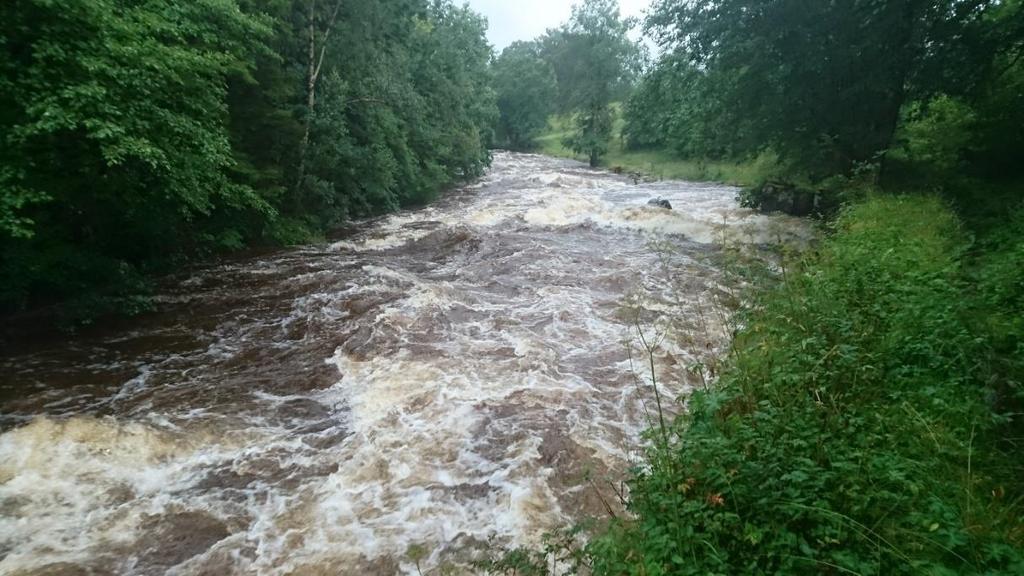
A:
(365, 100)
(327, 36)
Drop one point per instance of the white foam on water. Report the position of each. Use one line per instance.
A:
(473, 383)
(84, 481)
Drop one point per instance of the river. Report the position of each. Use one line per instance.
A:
(448, 377)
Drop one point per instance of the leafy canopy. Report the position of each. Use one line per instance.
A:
(527, 89)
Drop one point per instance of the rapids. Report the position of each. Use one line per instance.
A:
(446, 377)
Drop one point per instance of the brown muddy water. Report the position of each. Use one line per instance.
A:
(444, 377)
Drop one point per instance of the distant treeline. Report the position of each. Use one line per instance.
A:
(137, 133)
(918, 93)
(579, 69)
(920, 89)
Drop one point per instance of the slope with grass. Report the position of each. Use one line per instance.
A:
(657, 164)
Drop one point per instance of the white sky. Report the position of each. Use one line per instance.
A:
(512, 20)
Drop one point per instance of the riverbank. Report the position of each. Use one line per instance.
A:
(655, 164)
(867, 417)
(867, 421)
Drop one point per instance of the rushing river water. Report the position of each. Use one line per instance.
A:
(440, 377)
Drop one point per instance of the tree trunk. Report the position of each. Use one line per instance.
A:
(912, 47)
(315, 65)
(310, 100)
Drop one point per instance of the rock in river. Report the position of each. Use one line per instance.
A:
(660, 203)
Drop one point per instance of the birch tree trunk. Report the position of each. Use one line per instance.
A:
(314, 67)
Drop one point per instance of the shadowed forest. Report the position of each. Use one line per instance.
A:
(141, 134)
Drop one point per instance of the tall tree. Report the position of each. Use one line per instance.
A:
(526, 87)
(821, 82)
(596, 59)
(321, 19)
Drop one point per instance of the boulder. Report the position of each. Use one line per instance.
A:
(660, 203)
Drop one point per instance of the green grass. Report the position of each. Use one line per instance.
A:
(658, 164)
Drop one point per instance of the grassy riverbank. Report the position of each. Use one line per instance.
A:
(651, 163)
(865, 423)
(868, 420)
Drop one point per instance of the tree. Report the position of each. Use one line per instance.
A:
(595, 61)
(665, 110)
(137, 133)
(116, 143)
(320, 22)
(823, 83)
(527, 89)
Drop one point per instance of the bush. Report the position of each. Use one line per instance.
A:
(997, 312)
(933, 143)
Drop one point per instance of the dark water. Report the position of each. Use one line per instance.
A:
(441, 378)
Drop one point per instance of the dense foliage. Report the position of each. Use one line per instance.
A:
(662, 110)
(824, 84)
(526, 87)
(868, 420)
(137, 133)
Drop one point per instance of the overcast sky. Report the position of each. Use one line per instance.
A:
(512, 20)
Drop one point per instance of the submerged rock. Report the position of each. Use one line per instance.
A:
(660, 203)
